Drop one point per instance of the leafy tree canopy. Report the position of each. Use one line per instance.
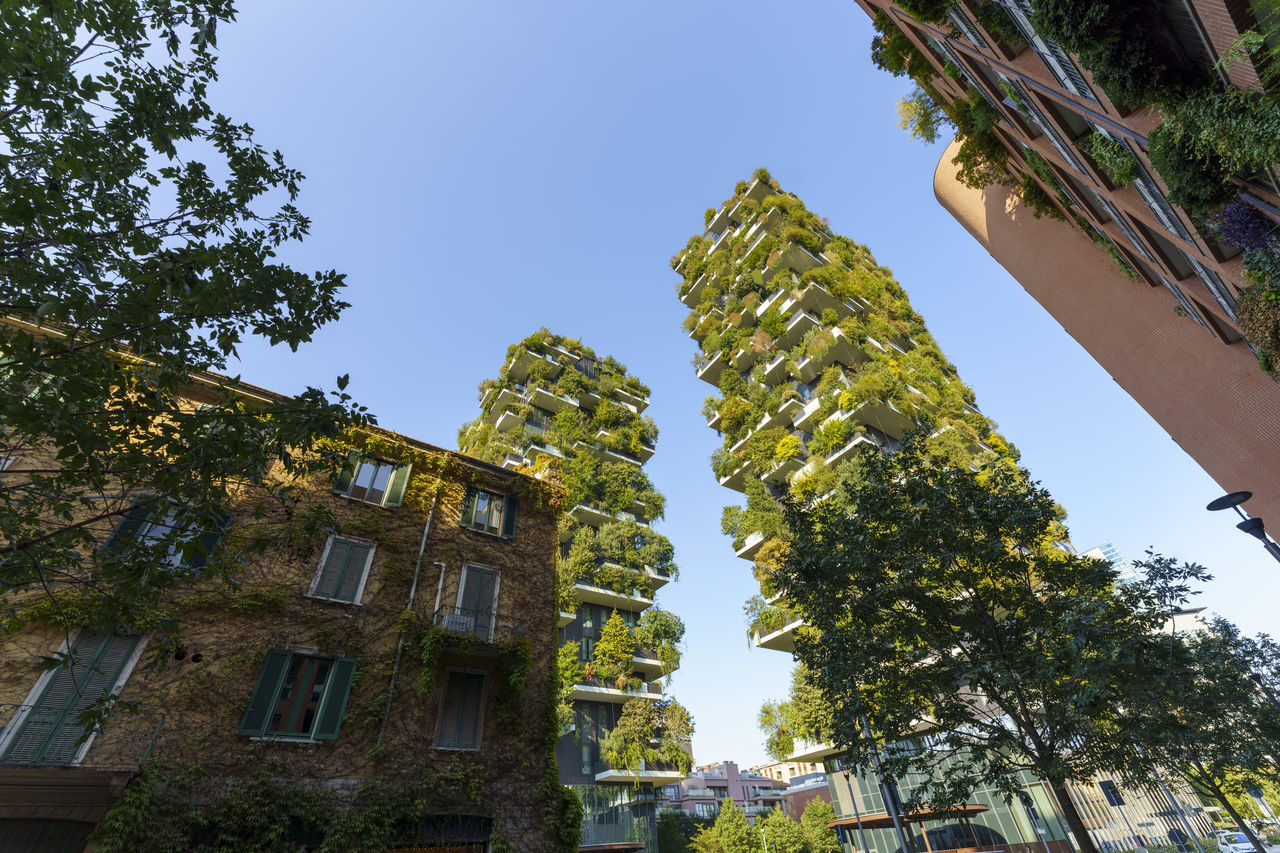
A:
(138, 235)
(945, 597)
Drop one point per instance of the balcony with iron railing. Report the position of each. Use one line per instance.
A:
(36, 736)
(481, 625)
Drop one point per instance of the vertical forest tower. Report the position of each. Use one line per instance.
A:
(556, 405)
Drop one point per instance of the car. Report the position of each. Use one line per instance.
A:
(1234, 842)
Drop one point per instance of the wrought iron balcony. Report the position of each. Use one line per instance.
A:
(478, 624)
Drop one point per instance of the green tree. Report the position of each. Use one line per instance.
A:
(733, 832)
(921, 117)
(138, 235)
(615, 653)
(676, 830)
(944, 597)
(781, 833)
(820, 837)
(1210, 720)
(805, 714)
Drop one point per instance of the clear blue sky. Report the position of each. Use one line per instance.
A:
(480, 169)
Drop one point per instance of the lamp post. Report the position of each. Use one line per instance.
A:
(1252, 526)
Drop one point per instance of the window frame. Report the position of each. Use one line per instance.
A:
(480, 710)
(358, 599)
(9, 732)
(497, 588)
(509, 519)
(397, 482)
(174, 559)
(335, 677)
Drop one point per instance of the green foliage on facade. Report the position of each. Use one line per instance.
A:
(864, 356)
(820, 837)
(804, 714)
(731, 833)
(649, 735)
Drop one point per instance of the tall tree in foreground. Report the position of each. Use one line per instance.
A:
(1215, 724)
(943, 601)
(138, 233)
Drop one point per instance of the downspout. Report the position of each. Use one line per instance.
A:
(413, 591)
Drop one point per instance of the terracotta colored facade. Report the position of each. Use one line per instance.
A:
(1170, 338)
(1213, 401)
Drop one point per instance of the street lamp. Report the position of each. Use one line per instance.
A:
(1252, 526)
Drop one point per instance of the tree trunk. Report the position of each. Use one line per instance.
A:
(1206, 779)
(1074, 821)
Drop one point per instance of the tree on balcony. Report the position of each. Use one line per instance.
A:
(649, 735)
(614, 659)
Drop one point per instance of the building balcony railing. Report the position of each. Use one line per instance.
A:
(478, 624)
(32, 738)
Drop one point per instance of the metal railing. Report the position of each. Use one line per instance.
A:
(482, 625)
(36, 736)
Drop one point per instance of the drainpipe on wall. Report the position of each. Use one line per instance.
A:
(413, 591)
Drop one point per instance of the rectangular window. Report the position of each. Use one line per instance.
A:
(489, 512)
(299, 697)
(344, 568)
(372, 480)
(150, 523)
(461, 716)
(478, 600)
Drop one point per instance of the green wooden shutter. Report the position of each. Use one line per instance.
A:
(469, 507)
(329, 717)
(196, 556)
(263, 701)
(127, 528)
(509, 519)
(50, 733)
(342, 485)
(343, 570)
(395, 489)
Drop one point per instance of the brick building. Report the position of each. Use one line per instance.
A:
(1140, 282)
(391, 668)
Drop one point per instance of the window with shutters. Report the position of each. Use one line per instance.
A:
(344, 568)
(489, 512)
(150, 525)
(47, 731)
(477, 604)
(372, 480)
(461, 716)
(299, 697)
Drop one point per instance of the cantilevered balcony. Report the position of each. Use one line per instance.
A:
(693, 295)
(597, 690)
(596, 515)
(506, 398)
(721, 242)
(641, 777)
(781, 640)
(780, 472)
(647, 665)
(807, 417)
(794, 258)
(798, 326)
(509, 420)
(737, 479)
(775, 369)
(518, 367)
(633, 399)
(884, 416)
(630, 600)
(816, 298)
(851, 447)
(841, 351)
(550, 400)
(564, 618)
(811, 751)
(721, 220)
(710, 372)
(750, 546)
(606, 454)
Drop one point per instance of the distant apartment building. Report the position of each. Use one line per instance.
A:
(710, 786)
(1150, 291)
(787, 770)
(399, 652)
(1110, 553)
(555, 403)
(804, 789)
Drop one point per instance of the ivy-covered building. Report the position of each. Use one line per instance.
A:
(557, 409)
(1118, 158)
(378, 673)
